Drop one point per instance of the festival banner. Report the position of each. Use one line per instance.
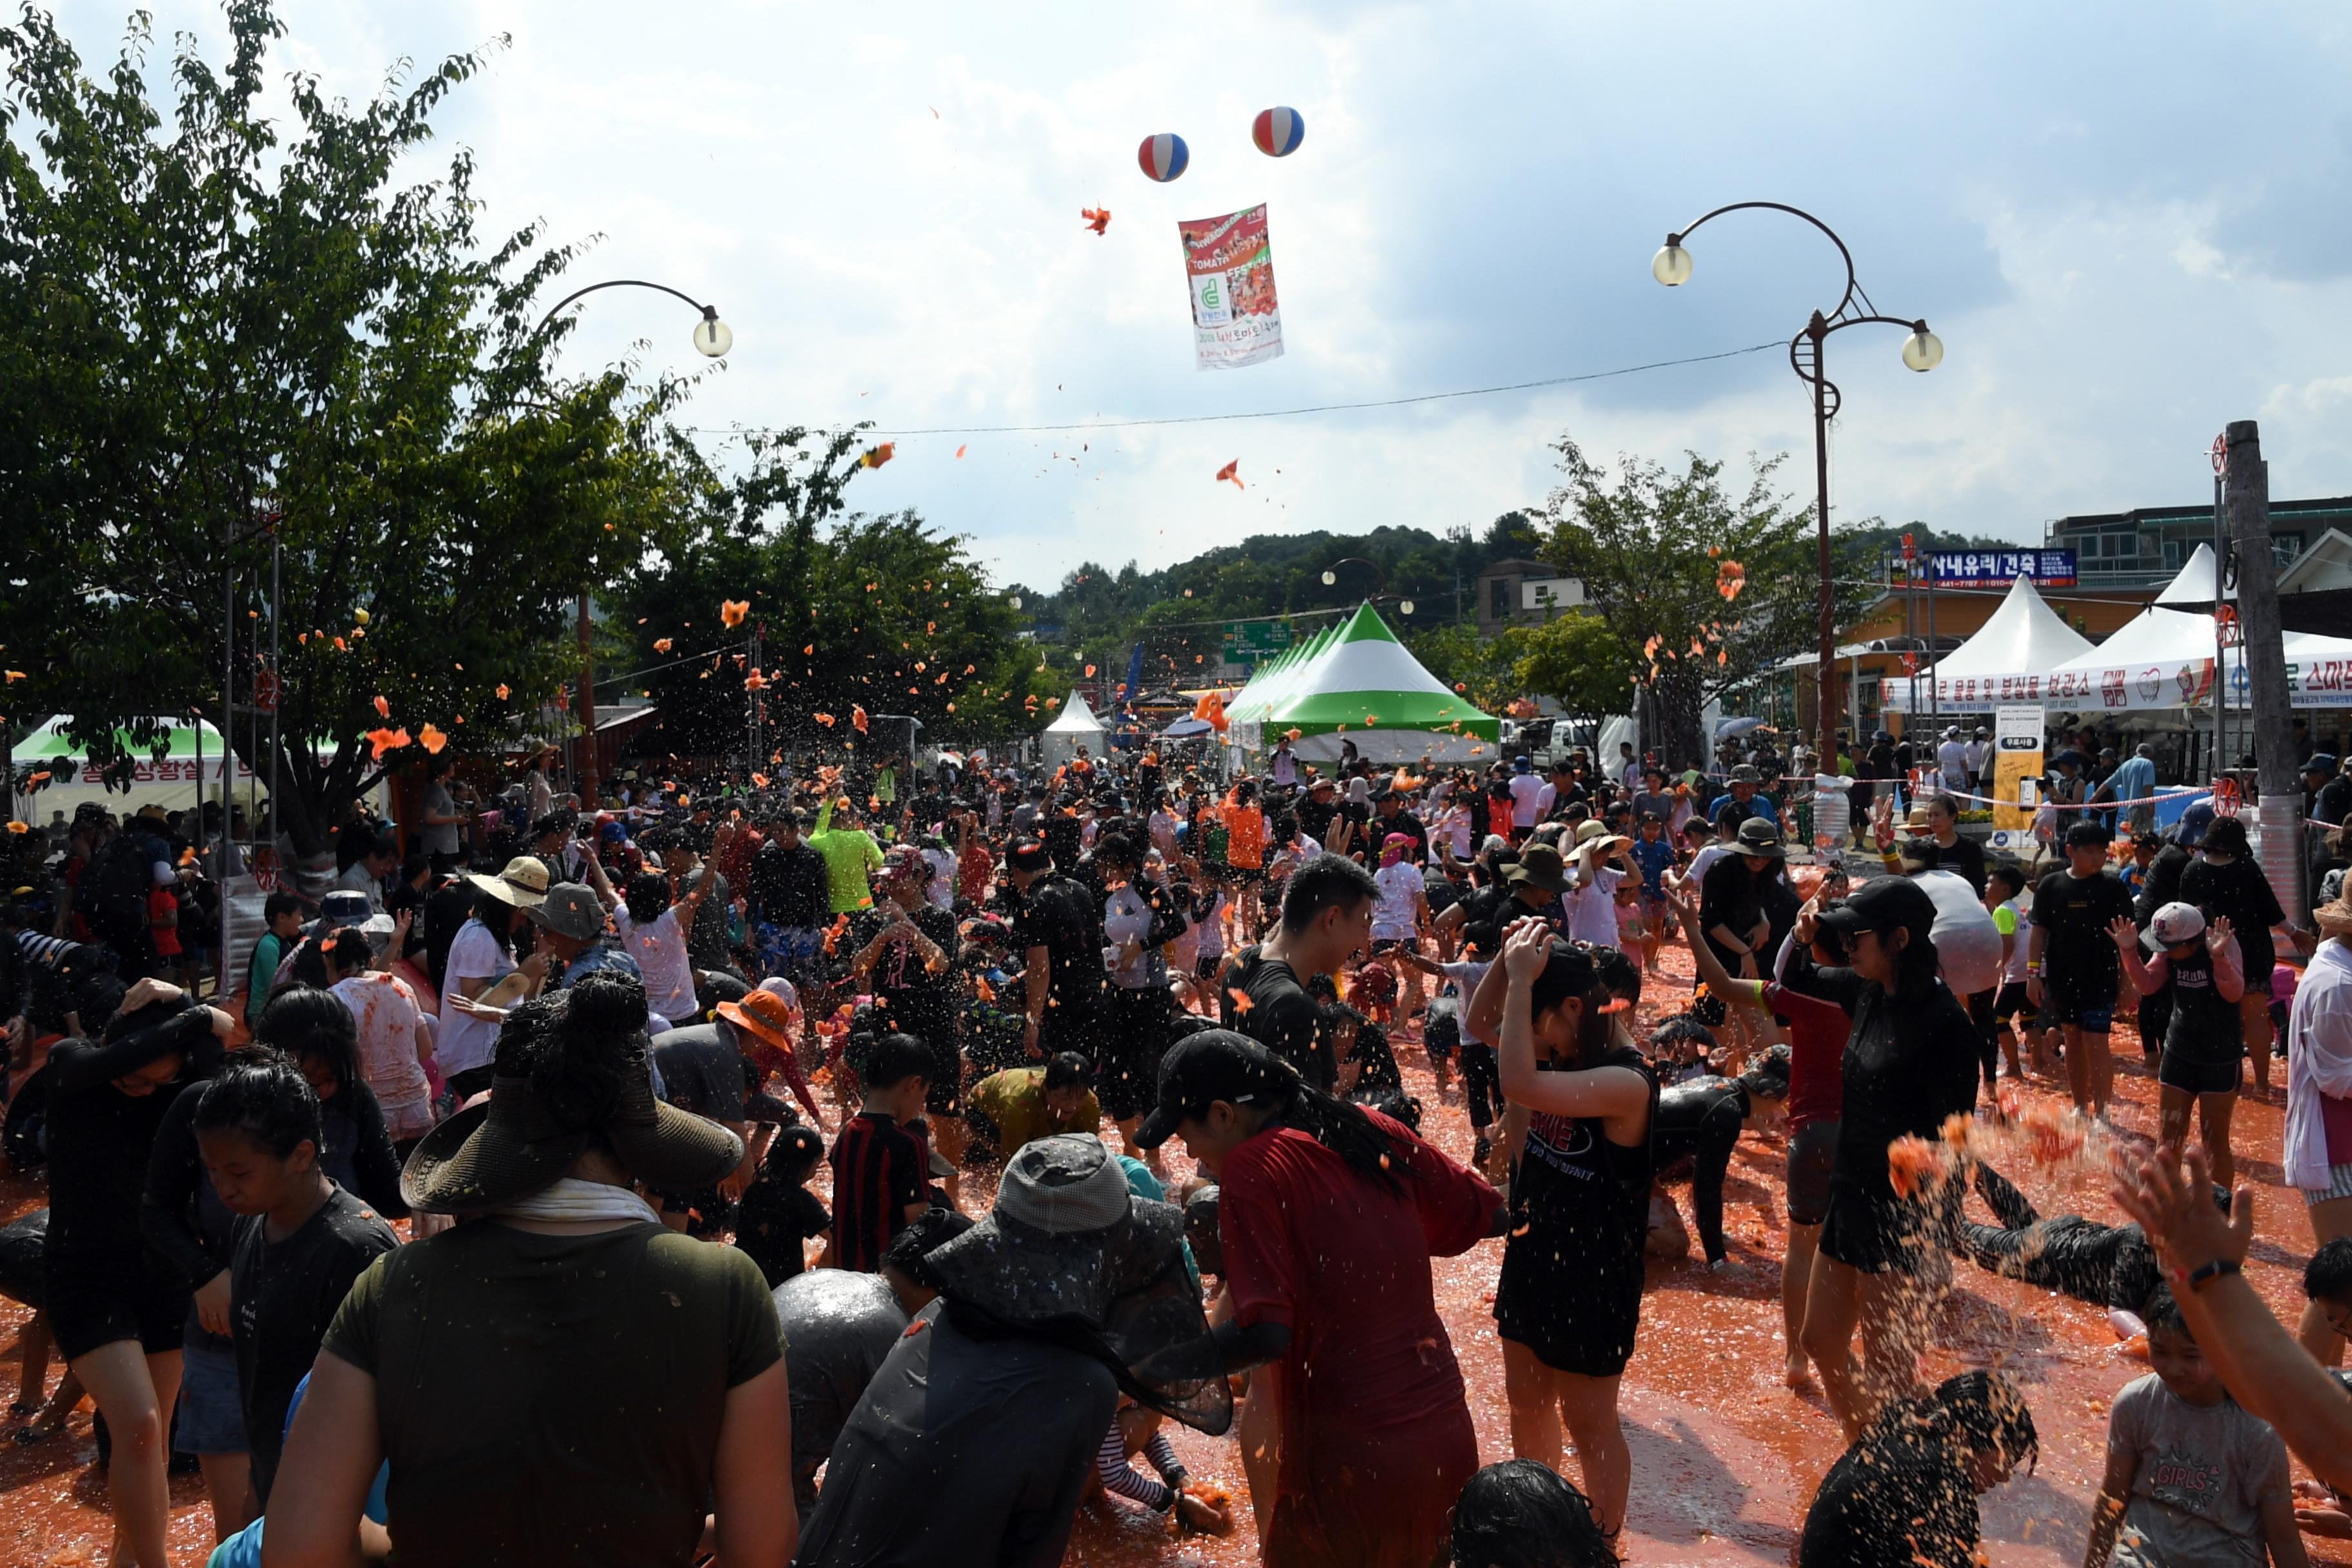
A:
(1229, 263)
(2017, 738)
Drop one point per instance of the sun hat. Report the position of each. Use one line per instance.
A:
(762, 1014)
(1918, 820)
(1540, 865)
(1758, 836)
(522, 884)
(2175, 923)
(569, 910)
(1745, 774)
(1068, 1254)
(540, 1118)
(1590, 828)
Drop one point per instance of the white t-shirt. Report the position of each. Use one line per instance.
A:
(1701, 861)
(1126, 917)
(465, 1042)
(2022, 924)
(1593, 906)
(385, 1010)
(1465, 975)
(942, 888)
(659, 948)
(1952, 760)
(1526, 790)
(1453, 829)
(1396, 917)
(1211, 927)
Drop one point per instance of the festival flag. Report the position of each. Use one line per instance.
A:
(1228, 262)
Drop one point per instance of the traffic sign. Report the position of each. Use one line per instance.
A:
(1249, 641)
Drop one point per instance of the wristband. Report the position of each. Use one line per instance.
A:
(2203, 1274)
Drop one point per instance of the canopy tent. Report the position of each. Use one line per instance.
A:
(1356, 682)
(2194, 584)
(2006, 661)
(1188, 729)
(1075, 726)
(176, 781)
(2164, 658)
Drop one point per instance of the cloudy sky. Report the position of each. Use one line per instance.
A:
(2128, 222)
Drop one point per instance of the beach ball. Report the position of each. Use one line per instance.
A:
(1163, 156)
(1278, 132)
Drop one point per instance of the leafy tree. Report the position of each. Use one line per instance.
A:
(1484, 669)
(1711, 588)
(1580, 662)
(214, 330)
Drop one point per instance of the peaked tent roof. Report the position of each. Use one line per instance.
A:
(1077, 717)
(2023, 636)
(2194, 585)
(1364, 678)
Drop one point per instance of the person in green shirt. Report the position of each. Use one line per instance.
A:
(283, 915)
(1020, 1105)
(851, 856)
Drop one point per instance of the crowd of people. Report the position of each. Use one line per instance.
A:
(650, 1133)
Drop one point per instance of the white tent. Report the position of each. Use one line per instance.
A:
(2194, 584)
(2164, 658)
(2008, 660)
(1075, 726)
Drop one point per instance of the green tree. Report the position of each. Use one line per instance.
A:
(1708, 587)
(216, 329)
(1579, 661)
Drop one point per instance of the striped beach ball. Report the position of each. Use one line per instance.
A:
(1278, 132)
(1163, 156)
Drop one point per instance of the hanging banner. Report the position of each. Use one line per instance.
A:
(1229, 263)
(2017, 765)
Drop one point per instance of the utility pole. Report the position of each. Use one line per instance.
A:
(2263, 655)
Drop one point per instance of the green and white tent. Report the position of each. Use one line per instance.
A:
(1355, 681)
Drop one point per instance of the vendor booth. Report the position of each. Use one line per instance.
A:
(1075, 726)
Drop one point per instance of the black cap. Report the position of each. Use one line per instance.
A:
(1028, 855)
(1882, 903)
(1215, 1064)
(2319, 762)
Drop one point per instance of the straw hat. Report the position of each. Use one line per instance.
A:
(522, 884)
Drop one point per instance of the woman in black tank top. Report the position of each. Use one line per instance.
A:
(2197, 964)
(1570, 1295)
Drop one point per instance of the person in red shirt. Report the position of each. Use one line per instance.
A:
(164, 927)
(1328, 1215)
(1817, 1034)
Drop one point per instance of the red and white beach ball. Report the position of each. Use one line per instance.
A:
(1278, 132)
(1163, 156)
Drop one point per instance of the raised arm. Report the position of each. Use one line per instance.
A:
(1609, 1093)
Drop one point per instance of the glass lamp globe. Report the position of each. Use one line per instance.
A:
(1671, 265)
(1923, 349)
(712, 336)
(1329, 578)
(1405, 607)
(1015, 601)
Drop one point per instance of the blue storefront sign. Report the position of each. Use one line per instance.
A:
(1988, 568)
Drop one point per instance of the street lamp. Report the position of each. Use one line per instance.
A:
(1331, 580)
(1922, 351)
(712, 339)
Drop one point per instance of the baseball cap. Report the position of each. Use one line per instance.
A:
(1028, 855)
(2189, 832)
(1215, 1064)
(2175, 922)
(1882, 903)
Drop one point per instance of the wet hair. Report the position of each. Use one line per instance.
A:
(792, 1158)
(307, 1021)
(261, 1096)
(1116, 849)
(1766, 1078)
(2161, 1313)
(1326, 882)
(344, 951)
(1620, 975)
(2227, 835)
(2328, 1276)
(933, 1229)
(1680, 1029)
(2012, 877)
(1986, 1410)
(2094, 835)
(1571, 973)
(894, 1059)
(277, 904)
(1521, 1513)
(576, 1048)
(647, 896)
(1067, 1069)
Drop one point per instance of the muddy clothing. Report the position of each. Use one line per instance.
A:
(515, 1433)
(1700, 1120)
(2203, 1477)
(1890, 1500)
(962, 1450)
(2105, 1265)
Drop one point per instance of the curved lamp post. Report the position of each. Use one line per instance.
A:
(1331, 580)
(1922, 351)
(712, 339)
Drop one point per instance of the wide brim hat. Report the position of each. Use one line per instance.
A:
(1540, 865)
(1764, 843)
(764, 1014)
(523, 883)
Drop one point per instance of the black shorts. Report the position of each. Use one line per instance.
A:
(2093, 1016)
(2011, 1002)
(1237, 876)
(2192, 1077)
(1127, 1064)
(1875, 1235)
(97, 1306)
(1812, 1151)
(1206, 966)
(1579, 1318)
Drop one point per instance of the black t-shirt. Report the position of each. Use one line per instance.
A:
(1892, 1500)
(283, 1296)
(1964, 855)
(1315, 816)
(100, 1141)
(1406, 823)
(1910, 1061)
(2333, 802)
(1062, 918)
(2239, 893)
(447, 910)
(2161, 885)
(1280, 1015)
(2204, 1026)
(701, 1071)
(878, 1170)
(2078, 957)
(775, 1217)
(789, 887)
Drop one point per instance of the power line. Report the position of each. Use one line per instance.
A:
(1269, 413)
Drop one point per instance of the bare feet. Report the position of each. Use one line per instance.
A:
(1799, 1373)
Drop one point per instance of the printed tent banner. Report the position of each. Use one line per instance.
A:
(1229, 265)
